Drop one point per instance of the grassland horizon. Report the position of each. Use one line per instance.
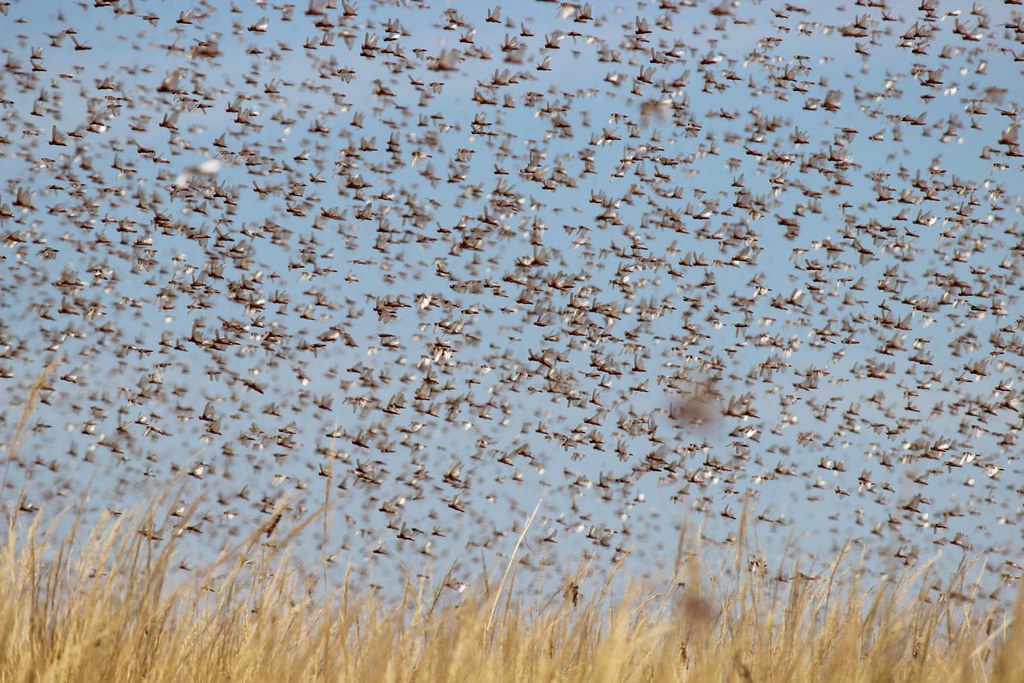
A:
(108, 603)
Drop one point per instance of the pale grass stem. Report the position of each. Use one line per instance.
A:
(511, 560)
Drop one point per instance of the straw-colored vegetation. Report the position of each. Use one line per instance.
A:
(106, 604)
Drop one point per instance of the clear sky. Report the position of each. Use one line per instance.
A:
(646, 264)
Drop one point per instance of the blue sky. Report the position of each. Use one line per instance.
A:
(536, 227)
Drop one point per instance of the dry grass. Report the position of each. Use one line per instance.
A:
(98, 605)
(104, 604)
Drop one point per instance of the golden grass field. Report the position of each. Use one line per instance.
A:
(107, 604)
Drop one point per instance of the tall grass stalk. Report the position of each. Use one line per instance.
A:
(111, 606)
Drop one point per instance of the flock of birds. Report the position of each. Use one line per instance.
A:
(673, 263)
